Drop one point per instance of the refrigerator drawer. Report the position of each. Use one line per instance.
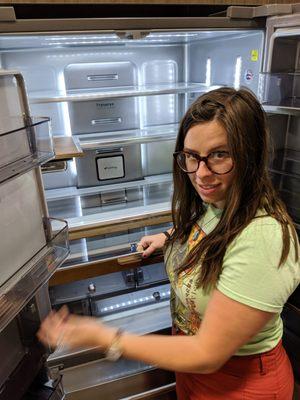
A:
(98, 75)
(103, 116)
(88, 381)
(99, 167)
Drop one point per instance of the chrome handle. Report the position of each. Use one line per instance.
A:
(103, 121)
(102, 77)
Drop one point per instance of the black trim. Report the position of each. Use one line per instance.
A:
(45, 11)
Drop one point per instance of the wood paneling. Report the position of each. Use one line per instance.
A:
(66, 147)
(152, 2)
(97, 268)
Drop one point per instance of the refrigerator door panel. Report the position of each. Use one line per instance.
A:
(21, 217)
(15, 145)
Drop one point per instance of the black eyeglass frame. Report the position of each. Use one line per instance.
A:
(199, 159)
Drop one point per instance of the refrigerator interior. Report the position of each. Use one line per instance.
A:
(124, 98)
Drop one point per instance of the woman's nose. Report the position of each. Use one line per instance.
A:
(203, 170)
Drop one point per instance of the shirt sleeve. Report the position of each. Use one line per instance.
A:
(251, 274)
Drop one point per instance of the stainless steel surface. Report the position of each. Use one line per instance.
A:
(139, 378)
(105, 166)
(103, 115)
(98, 75)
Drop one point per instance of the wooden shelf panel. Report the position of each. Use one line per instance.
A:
(66, 147)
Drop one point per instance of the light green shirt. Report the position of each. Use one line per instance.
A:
(250, 275)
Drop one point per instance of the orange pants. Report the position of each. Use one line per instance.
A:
(265, 376)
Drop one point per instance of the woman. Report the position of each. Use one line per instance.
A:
(232, 259)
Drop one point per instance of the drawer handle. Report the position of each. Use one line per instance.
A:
(102, 77)
(103, 121)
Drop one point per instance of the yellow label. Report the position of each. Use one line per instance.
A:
(254, 55)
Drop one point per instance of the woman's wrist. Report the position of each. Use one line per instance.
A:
(167, 235)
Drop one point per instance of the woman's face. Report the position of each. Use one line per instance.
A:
(204, 138)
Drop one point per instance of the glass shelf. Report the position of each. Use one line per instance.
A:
(280, 91)
(118, 92)
(156, 133)
(101, 247)
(69, 192)
(18, 289)
(281, 110)
(25, 147)
(88, 206)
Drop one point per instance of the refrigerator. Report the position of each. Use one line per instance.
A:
(118, 88)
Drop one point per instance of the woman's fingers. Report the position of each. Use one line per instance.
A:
(63, 312)
(149, 250)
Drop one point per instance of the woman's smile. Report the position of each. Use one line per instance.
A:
(202, 139)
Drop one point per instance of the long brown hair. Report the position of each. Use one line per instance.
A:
(242, 117)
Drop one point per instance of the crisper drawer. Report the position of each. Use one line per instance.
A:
(99, 75)
(103, 115)
(113, 165)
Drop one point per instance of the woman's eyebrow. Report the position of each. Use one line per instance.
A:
(219, 147)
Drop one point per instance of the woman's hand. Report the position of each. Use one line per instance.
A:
(151, 243)
(63, 329)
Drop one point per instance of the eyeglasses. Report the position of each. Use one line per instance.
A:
(218, 162)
